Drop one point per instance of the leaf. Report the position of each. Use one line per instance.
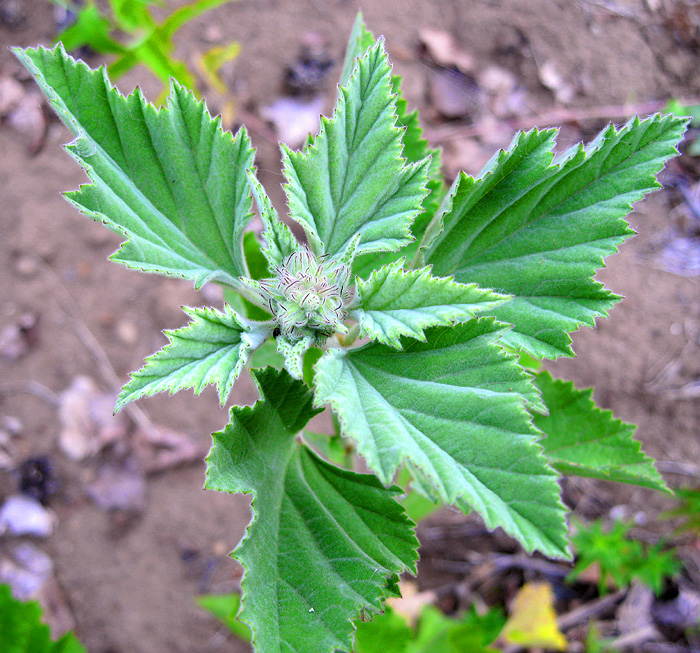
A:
(213, 60)
(622, 558)
(415, 150)
(437, 632)
(21, 629)
(293, 353)
(361, 39)
(352, 179)
(322, 542)
(225, 607)
(538, 228)
(186, 14)
(169, 180)
(452, 409)
(394, 302)
(583, 440)
(90, 28)
(533, 622)
(211, 350)
(280, 242)
(132, 15)
(386, 633)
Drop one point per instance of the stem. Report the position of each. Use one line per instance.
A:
(347, 339)
(249, 289)
(434, 228)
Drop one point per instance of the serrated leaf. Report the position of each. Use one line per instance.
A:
(415, 150)
(361, 39)
(352, 178)
(293, 353)
(452, 409)
(583, 440)
(211, 350)
(170, 180)
(323, 541)
(22, 631)
(280, 242)
(539, 228)
(394, 302)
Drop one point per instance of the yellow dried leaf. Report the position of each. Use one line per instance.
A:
(532, 620)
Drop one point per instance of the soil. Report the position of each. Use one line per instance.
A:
(130, 582)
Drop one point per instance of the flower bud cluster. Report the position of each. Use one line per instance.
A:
(307, 296)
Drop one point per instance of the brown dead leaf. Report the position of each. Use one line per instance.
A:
(160, 448)
(87, 422)
(680, 612)
(504, 97)
(29, 119)
(11, 94)
(634, 613)
(294, 118)
(441, 47)
(552, 79)
(18, 337)
(453, 94)
(118, 487)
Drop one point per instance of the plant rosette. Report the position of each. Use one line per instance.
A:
(407, 310)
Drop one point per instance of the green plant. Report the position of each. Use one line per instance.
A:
(691, 111)
(22, 631)
(389, 632)
(445, 286)
(688, 510)
(621, 558)
(148, 42)
(225, 607)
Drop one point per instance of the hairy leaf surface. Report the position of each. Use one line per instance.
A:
(539, 228)
(211, 350)
(323, 541)
(170, 180)
(394, 302)
(415, 150)
(452, 408)
(352, 179)
(583, 440)
(280, 242)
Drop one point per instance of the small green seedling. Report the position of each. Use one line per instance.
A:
(405, 309)
(687, 510)
(622, 559)
(128, 31)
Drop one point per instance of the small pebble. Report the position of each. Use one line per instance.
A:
(127, 332)
(22, 515)
(26, 266)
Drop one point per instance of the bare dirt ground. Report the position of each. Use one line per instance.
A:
(129, 580)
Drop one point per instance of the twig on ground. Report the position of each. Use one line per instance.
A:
(590, 610)
(71, 310)
(634, 638)
(556, 116)
(33, 388)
